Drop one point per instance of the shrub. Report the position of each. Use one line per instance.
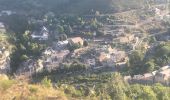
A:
(46, 82)
(33, 89)
(6, 84)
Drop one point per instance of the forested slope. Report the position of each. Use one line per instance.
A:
(71, 6)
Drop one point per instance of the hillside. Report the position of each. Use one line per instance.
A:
(17, 90)
(112, 90)
(71, 6)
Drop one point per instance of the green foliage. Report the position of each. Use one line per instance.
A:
(85, 43)
(60, 29)
(161, 91)
(6, 84)
(136, 57)
(25, 48)
(73, 46)
(68, 29)
(75, 6)
(75, 66)
(70, 90)
(136, 61)
(17, 23)
(62, 37)
(152, 39)
(108, 86)
(24, 57)
(163, 50)
(160, 55)
(149, 66)
(33, 89)
(46, 82)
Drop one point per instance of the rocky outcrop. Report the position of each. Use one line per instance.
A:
(4, 61)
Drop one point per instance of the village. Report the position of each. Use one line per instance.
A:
(99, 46)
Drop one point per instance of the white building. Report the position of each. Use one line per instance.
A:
(7, 12)
(2, 27)
(42, 35)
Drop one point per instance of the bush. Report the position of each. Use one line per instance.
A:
(46, 82)
(6, 84)
(85, 43)
(72, 46)
(70, 90)
(33, 89)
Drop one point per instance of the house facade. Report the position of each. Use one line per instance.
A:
(160, 76)
(42, 35)
(76, 40)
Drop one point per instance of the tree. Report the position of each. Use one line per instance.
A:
(69, 30)
(152, 40)
(161, 91)
(148, 94)
(64, 36)
(17, 23)
(162, 54)
(85, 43)
(149, 66)
(136, 61)
(60, 29)
(73, 46)
(24, 57)
(94, 23)
(46, 82)
(136, 57)
(116, 87)
(77, 66)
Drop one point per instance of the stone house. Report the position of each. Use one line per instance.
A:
(127, 78)
(76, 40)
(163, 76)
(118, 59)
(125, 38)
(51, 62)
(147, 78)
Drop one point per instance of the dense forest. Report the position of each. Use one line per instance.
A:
(71, 6)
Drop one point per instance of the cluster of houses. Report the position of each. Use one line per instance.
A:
(51, 58)
(58, 53)
(160, 76)
(119, 35)
(102, 56)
